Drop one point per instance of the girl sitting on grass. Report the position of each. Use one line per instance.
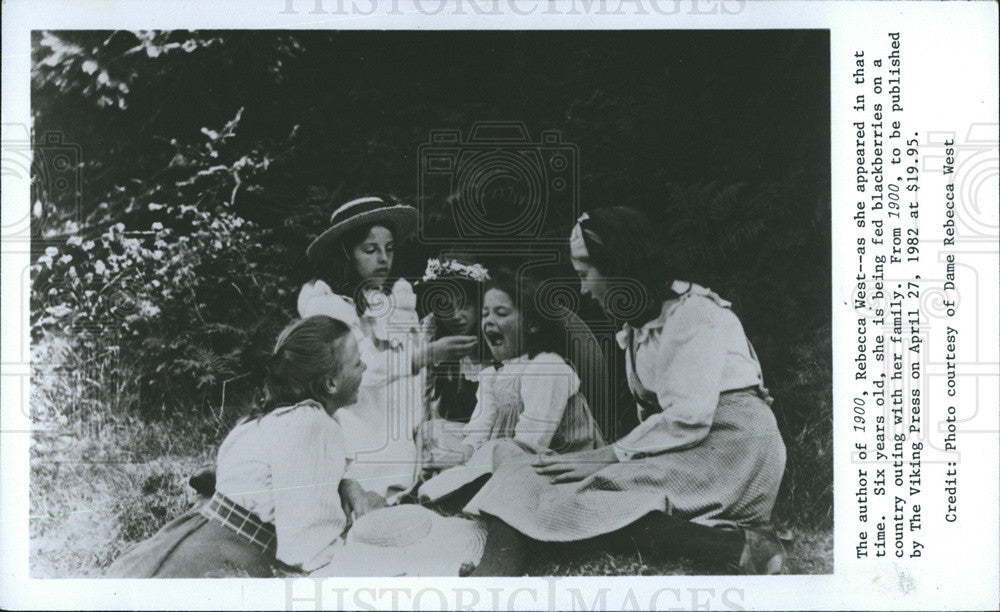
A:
(451, 290)
(530, 394)
(698, 477)
(354, 260)
(280, 472)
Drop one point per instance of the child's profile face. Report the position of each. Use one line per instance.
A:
(502, 324)
(348, 380)
(592, 281)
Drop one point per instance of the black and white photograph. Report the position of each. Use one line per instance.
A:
(368, 303)
(490, 305)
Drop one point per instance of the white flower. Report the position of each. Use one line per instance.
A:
(65, 259)
(100, 268)
(156, 206)
(148, 309)
(74, 241)
(437, 269)
(89, 66)
(51, 251)
(59, 311)
(433, 266)
(157, 226)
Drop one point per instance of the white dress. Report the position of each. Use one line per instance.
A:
(535, 401)
(379, 429)
(524, 403)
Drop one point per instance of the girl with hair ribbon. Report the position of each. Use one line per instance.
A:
(699, 475)
(277, 501)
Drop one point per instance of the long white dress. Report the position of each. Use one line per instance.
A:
(379, 430)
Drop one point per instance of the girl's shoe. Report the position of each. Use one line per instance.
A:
(763, 553)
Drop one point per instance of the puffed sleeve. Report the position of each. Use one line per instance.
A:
(316, 298)
(545, 390)
(477, 430)
(688, 365)
(306, 469)
(383, 366)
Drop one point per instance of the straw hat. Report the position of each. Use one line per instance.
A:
(361, 212)
(407, 540)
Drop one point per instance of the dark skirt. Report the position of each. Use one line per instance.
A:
(192, 546)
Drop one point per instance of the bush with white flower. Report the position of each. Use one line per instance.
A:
(179, 304)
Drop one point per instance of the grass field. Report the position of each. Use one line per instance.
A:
(102, 480)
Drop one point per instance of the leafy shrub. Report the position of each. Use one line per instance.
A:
(189, 298)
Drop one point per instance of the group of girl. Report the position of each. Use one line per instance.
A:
(365, 399)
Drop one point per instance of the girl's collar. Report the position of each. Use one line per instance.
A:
(501, 363)
(684, 291)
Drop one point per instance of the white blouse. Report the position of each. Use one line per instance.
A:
(286, 467)
(379, 429)
(395, 325)
(686, 357)
(542, 385)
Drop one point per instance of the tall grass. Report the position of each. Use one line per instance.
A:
(101, 477)
(104, 479)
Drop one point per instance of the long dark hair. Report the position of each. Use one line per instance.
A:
(340, 273)
(437, 297)
(522, 288)
(306, 354)
(622, 245)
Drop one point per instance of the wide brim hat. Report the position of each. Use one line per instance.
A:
(359, 213)
(407, 540)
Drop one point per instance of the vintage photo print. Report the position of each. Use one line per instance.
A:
(475, 305)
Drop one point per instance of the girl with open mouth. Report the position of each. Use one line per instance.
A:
(530, 396)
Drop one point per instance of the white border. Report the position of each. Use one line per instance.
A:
(953, 67)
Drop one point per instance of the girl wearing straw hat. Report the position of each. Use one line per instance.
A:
(355, 256)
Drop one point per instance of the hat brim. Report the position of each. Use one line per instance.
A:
(402, 218)
(452, 542)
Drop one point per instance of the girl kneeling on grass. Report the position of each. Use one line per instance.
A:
(279, 474)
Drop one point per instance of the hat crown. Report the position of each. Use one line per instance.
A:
(394, 526)
(355, 206)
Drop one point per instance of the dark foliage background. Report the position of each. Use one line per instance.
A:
(208, 160)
